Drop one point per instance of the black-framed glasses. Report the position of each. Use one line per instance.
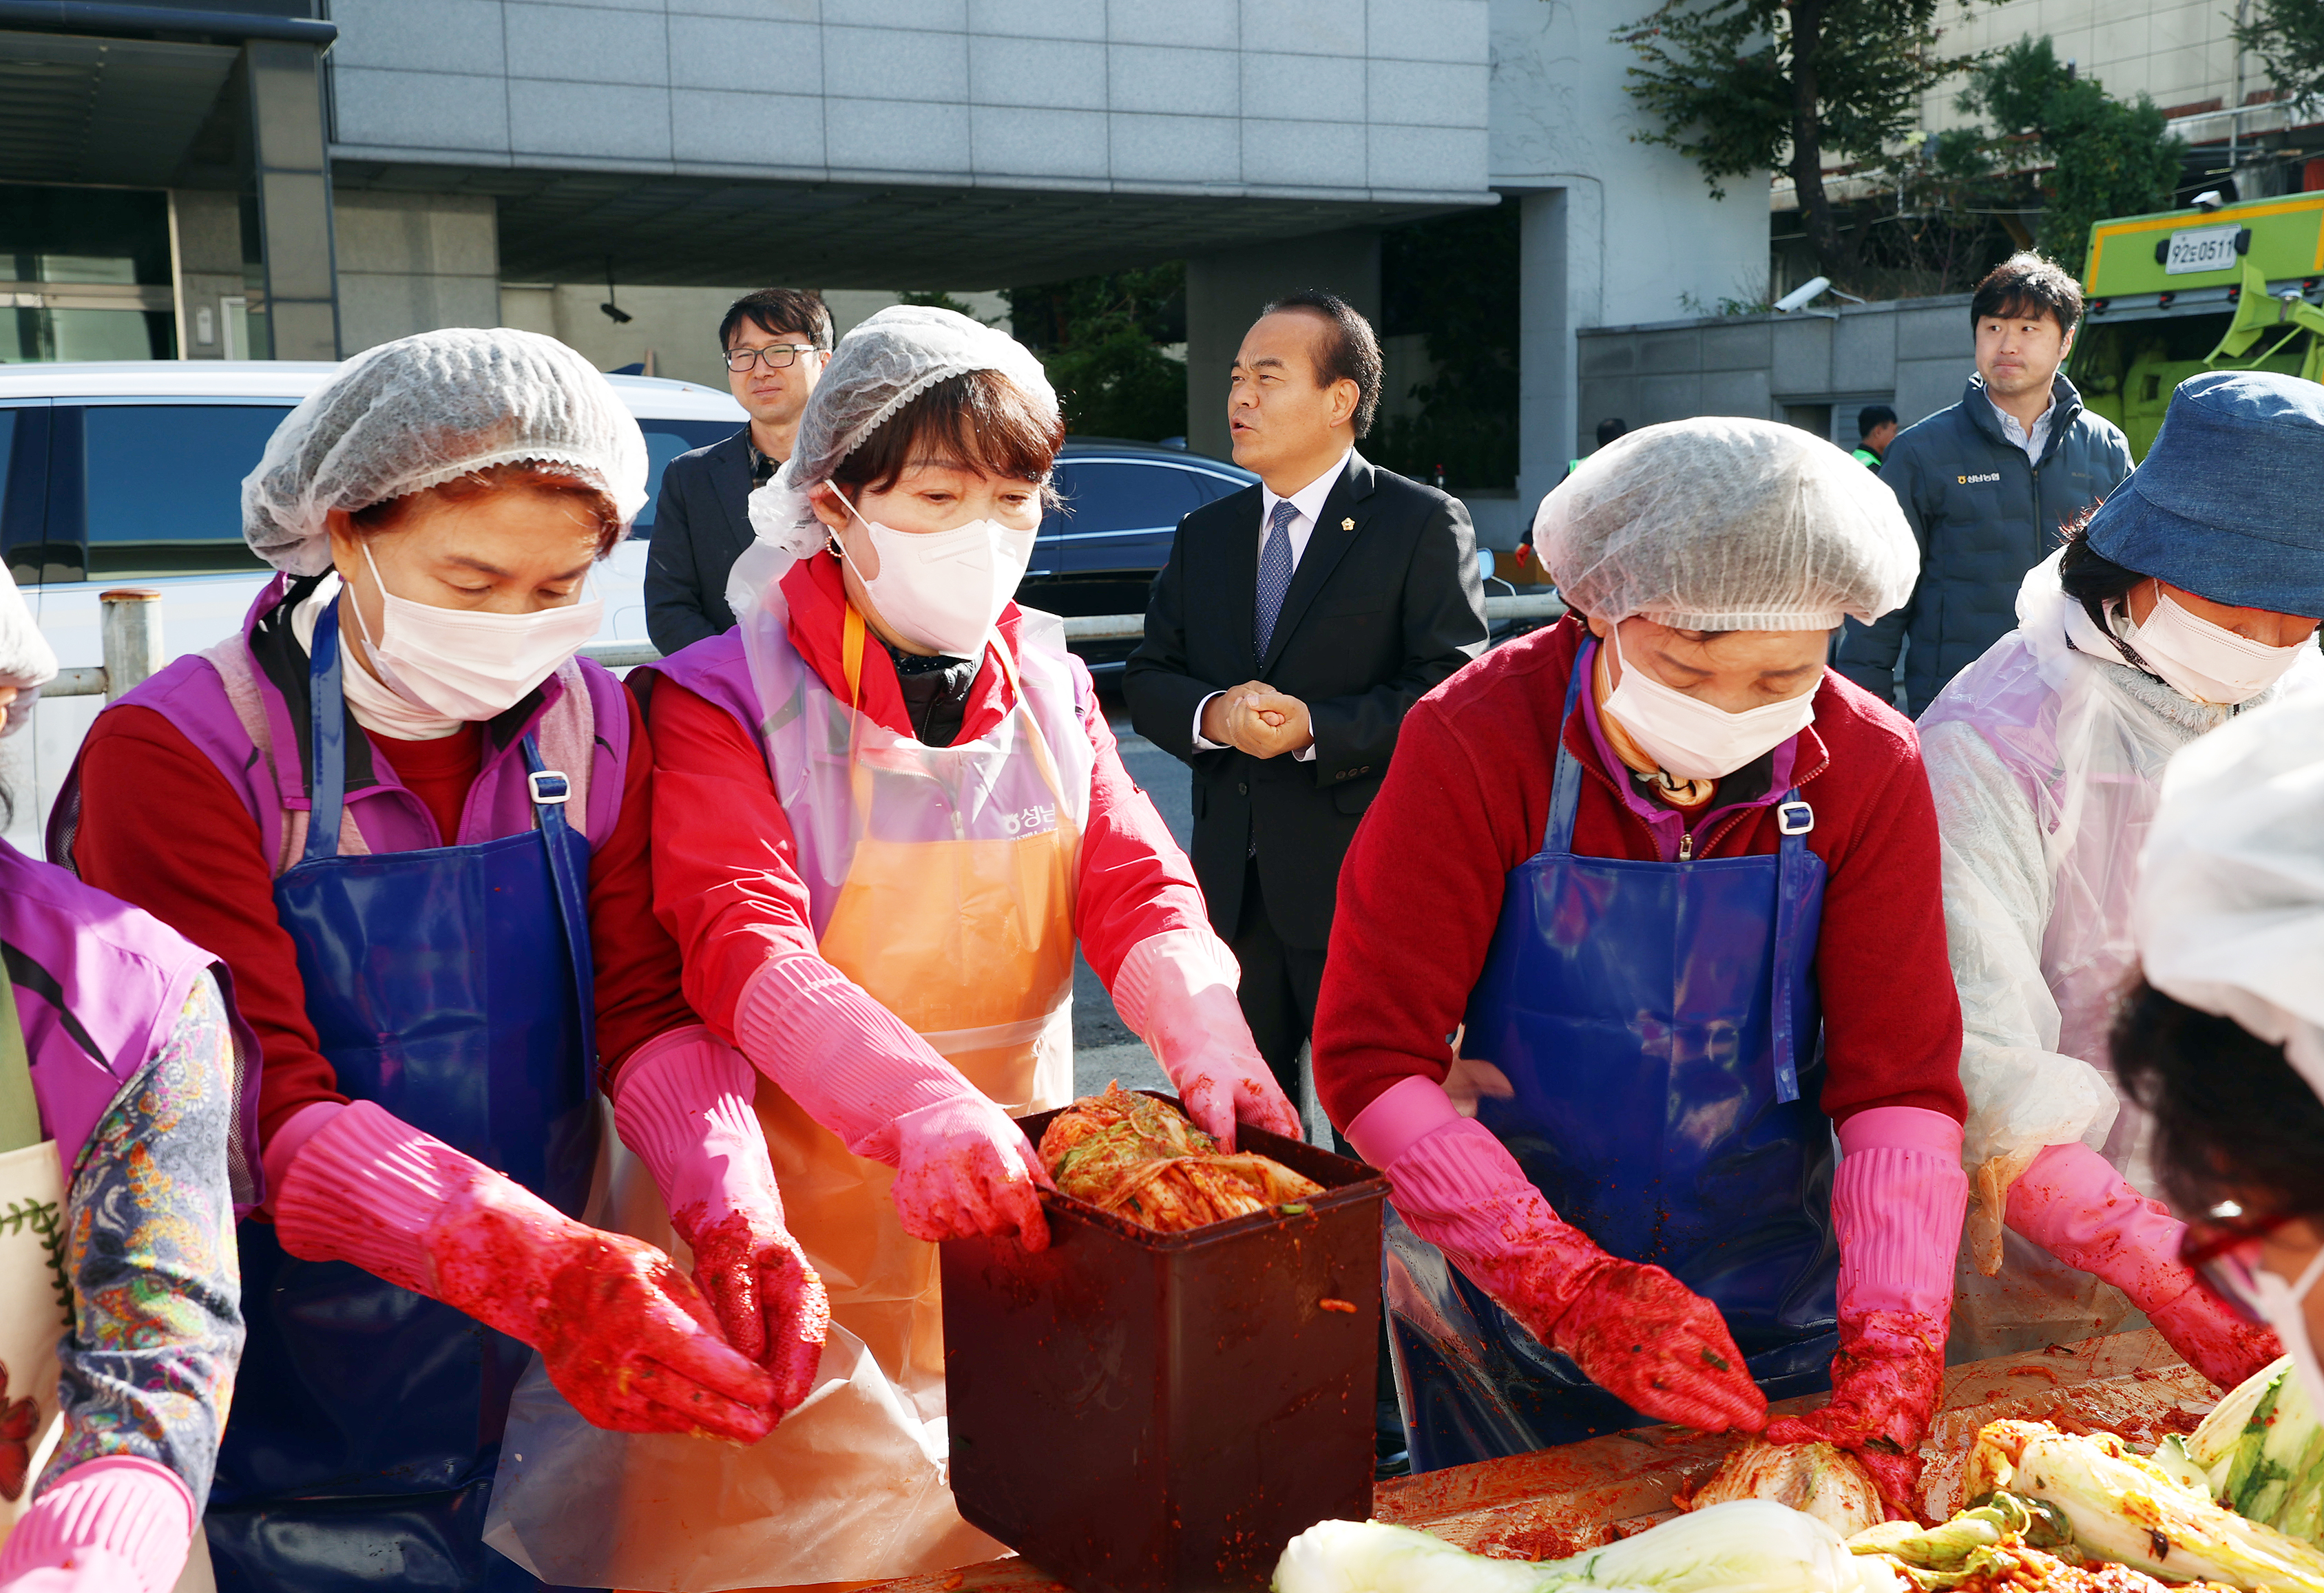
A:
(2219, 1247)
(776, 355)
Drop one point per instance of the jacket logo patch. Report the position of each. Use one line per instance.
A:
(1989, 475)
(1031, 821)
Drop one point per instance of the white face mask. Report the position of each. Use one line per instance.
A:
(2202, 661)
(1691, 738)
(470, 666)
(944, 589)
(2284, 1306)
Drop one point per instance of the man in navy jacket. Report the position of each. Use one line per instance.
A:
(1985, 484)
(774, 342)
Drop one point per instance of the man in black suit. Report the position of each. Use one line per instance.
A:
(775, 342)
(1295, 625)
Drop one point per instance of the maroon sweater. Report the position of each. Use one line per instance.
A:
(1467, 799)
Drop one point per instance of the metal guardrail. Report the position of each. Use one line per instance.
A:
(131, 626)
(1130, 627)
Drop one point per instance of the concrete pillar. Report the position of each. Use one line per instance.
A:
(1225, 292)
(414, 262)
(207, 227)
(293, 177)
(1546, 422)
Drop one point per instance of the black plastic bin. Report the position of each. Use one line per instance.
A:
(1144, 1412)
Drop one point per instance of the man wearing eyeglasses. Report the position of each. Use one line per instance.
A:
(774, 342)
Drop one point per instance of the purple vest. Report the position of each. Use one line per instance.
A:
(716, 671)
(99, 986)
(581, 718)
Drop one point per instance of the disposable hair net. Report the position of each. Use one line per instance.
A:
(424, 411)
(27, 662)
(2231, 912)
(878, 368)
(1727, 525)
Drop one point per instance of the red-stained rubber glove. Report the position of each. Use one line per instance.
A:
(1885, 1381)
(625, 1337)
(1176, 992)
(2073, 1204)
(964, 1169)
(1634, 1330)
(1898, 1199)
(683, 1104)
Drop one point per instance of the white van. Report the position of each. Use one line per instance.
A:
(130, 473)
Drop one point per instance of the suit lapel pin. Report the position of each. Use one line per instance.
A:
(1349, 524)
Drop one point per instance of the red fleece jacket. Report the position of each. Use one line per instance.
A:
(725, 877)
(161, 829)
(1467, 800)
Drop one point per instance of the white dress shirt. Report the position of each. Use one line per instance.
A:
(1308, 503)
(2040, 437)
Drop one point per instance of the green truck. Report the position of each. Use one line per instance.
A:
(2233, 287)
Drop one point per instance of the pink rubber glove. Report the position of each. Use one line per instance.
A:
(120, 1524)
(1897, 1200)
(1634, 1330)
(2073, 1204)
(683, 1104)
(1176, 992)
(625, 1337)
(964, 1169)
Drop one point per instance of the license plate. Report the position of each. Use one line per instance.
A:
(2202, 248)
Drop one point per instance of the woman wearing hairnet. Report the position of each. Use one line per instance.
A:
(127, 1100)
(885, 806)
(2188, 597)
(414, 826)
(1679, 882)
(2223, 1039)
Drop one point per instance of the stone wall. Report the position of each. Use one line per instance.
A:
(1911, 354)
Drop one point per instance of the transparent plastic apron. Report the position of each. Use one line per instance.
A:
(2090, 760)
(954, 907)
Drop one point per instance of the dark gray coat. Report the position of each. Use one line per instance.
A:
(1983, 516)
(702, 523)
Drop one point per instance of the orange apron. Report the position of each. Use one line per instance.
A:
(969, 938)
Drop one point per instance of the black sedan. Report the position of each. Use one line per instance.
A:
(1100, 553)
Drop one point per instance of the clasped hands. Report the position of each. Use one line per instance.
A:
(1255, 718)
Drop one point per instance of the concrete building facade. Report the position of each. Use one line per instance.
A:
(1814, 370)
(476, 161)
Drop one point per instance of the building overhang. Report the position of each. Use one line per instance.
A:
(712, 228)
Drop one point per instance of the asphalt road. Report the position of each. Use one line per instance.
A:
(1102, 1048)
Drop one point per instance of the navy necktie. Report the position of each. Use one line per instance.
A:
(1274, 575)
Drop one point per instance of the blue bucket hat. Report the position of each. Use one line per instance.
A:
(2228, 504)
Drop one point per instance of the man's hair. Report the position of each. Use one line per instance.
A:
(1871, 417)
(1613, 427)
(2025, 286)
(778, 310)
(1349, 352)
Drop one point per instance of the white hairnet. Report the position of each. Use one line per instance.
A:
(27, 661)
(877, 369)
(2229, 915)
(420, 412)
(1726, 525)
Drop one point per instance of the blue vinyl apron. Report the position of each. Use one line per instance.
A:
(1660, 1026)
(452, 987)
